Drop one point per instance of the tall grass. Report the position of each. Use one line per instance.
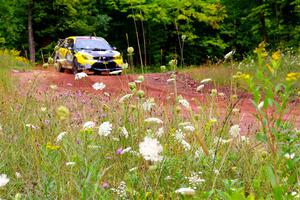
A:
(85, 164)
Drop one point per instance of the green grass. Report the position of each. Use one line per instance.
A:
(232, 170)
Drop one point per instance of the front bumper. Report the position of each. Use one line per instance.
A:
(100, 66)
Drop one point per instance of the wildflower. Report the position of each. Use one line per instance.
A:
(163, 68)
(217, 172)
(160, 132)
(213, 120)
(276, 55)
(3, 180)
(173, 62)
(184, 103)
(140, 93)
(60, 136)
(151, 149)
(18, 196)
(186, 191)
(70, 163)
(106, 94)
(18, 175)
(132, 86)
(124, 66)
(185, 145)
(205, 80)
(99, 86)
(63, 112)
(124, 132)
(133, 169)
(140, 79)
(199, 153)
(105, 129)
(183, 37)
(235, 130)
(53, 87)
(51, 146)
(119, 151)
(80, 75)
(45, 65)
(128, 149)
(229, 54)
(293, 76)
(213, 92)
(130, 50)
(147, 105)
(89, 124)
(121, 190)
(189, 128)
(115, 72)
(244, 139)
(290, 156)
(171, 80)
(43, 109)
(221, 94)
(235, 110)
(195, 179)
(179, 135)
(105, 185)
(1, 127)
(154, 120)
(260, 105)
(31, 126)
(125, 97)
(94, 147)
(200, 87)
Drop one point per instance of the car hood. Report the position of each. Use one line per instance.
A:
(108, 53)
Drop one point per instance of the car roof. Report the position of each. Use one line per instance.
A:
(85, 37)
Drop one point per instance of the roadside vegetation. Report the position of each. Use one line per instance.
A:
(131, 147)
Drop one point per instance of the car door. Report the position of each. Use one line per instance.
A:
(69, 55)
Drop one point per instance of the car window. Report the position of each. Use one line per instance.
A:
(92, 44)
(70, 43)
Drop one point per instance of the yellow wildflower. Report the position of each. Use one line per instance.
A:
(276, 55)
(293, 76)
(63, 112)
(51, 146)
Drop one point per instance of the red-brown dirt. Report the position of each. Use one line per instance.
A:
(155, 85)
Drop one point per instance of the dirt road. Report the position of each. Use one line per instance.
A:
(155, 85)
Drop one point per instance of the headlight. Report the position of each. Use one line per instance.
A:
(118, 57)
(87, 57)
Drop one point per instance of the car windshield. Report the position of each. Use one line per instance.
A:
(92, 44)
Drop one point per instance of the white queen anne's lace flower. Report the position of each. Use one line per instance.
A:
(124, 132)
(105, 129)
(205, 80)
(125, 97)
(89, 124)
(151, 149)
(147, 105)
(60, 136)
(3, 180)
(80, 75)
(99, 86)
(185, 191)
(200, 87)
(235, 130)
(160, 132)
(184, 103)
(154, 120)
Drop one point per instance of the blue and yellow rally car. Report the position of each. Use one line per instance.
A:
(87, 53)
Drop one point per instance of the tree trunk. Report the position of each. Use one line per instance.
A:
(263, 23)
(30, 33)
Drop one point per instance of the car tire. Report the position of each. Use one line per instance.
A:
(75, 66)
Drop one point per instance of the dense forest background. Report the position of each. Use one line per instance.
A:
(204, 29)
